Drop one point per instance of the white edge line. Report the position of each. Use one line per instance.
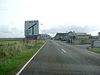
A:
(30, 60)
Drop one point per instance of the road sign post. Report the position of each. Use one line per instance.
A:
(32, 30)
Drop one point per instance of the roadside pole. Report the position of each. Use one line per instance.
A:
(36, 40)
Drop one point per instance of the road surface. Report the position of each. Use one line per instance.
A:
(58, 58)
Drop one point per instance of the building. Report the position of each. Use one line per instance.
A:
(60, 36)
(96, 42)
(31, 28)
(78, 38)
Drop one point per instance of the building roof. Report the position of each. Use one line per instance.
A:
(82, 34)
(61, 34)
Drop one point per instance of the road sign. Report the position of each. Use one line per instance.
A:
(31, 28)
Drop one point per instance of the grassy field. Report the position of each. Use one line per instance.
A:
(97, 50)
(13, 53)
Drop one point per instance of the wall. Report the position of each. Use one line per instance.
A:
(96, 43)
(80, 41)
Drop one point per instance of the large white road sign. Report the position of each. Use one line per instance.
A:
(31, 28)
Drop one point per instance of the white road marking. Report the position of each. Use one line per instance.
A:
(63, 50)
(60, 51)
(29, 61)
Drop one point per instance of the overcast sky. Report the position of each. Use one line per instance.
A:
(53, 15)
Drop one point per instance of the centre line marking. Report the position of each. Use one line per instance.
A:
(63, 50)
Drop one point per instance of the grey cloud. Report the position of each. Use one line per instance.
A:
(4, 29)
(87, 29)
(54, 30)
(8, 31)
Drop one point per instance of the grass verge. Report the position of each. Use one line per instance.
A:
(11, 64)
(97, 50)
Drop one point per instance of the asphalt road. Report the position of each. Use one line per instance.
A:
(58, 58)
